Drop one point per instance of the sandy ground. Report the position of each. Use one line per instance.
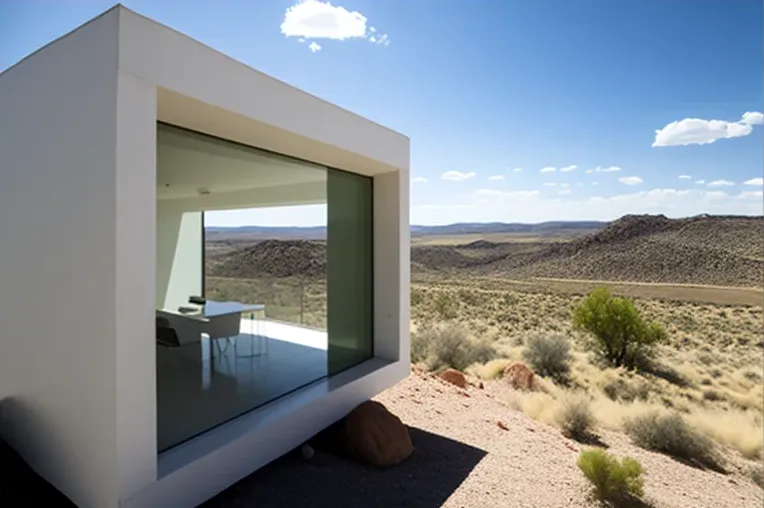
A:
(474, 451)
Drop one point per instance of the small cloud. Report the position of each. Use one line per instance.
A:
(550, 184)
(752, 194)
(313, 47)
(314, 19)
(566, 169)
(715, 194)
(754, 181)
(564, 191)
(700, 182)
(548, 169)
(630, 180)
(595, 183)
(605, 169)
(720, 183)
(457, 176)
(696, 131)
(419, 179)
(496, 177)
(517, 170)
(752, 118)
(685, 177)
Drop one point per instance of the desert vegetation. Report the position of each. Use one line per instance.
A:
(649, 327)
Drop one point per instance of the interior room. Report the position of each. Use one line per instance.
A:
(216, 359)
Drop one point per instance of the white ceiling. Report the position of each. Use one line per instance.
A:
(191, 164)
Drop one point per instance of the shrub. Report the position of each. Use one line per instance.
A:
(613, 480)
(621, 335)
(669, 433)
(575, 417)
(549, 355)
(756, 473)
(447, 346)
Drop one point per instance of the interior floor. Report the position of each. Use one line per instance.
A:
(204, 385)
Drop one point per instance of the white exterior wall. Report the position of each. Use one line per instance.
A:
(180, 257)
(79, 219)
(58, 119)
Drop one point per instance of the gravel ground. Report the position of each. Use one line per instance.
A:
(473, 451)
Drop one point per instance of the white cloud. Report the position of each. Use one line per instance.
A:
(700, 182)
(601, 169)
(564, 191)
(550, 184)
(720, 183)
(568, 168)
(754, 181)
(497, 193)
(531, 206)
(751, 194)
(564, 185)
(314, 19)
(496, 177)
(695, 131)
(457, 176)
(630, 180)
(313, 47)
(517, 170)
(716, 194)
(685, 177)
(419, 179)
(548, 169)
(752, 118)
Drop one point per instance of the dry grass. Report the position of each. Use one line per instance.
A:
(710, 370)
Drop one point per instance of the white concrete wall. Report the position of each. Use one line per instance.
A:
(179, 256)
(58, 118)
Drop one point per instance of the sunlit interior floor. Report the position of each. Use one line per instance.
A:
(197, 390)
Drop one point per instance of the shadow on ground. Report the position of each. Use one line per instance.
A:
(435, 470)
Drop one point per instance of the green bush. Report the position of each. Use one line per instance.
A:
(669, 433)
(447, 346)
(575, 417)
(613, 480)
(621, 335)
(549, 355)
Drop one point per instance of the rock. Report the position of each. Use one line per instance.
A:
(454, 377)
(502, 425)
(307, 452)
(520, 376)
(376, 436)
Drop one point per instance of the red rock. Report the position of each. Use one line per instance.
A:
(454, 377)
(520, 376)
(376, 436)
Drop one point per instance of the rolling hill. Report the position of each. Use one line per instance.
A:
(709, 250)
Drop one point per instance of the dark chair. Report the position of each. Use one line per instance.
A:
(166, 335)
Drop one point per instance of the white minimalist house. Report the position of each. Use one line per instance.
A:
(119, 382)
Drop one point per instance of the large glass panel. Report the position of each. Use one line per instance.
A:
(350, 269)
(261, 332)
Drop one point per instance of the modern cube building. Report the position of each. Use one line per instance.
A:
(116, 139)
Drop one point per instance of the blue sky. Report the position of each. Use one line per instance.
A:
(484, 87)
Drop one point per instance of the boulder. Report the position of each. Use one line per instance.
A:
(454, 377)
(520, 376)
(376, 436)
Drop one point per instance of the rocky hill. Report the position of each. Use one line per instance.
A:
(271, 258)
(713, 250)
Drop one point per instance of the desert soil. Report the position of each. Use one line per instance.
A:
(472, 450)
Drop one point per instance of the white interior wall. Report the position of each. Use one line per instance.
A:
(58, 119)
(179, 255)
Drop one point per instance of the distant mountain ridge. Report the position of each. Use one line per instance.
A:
(464, 228)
